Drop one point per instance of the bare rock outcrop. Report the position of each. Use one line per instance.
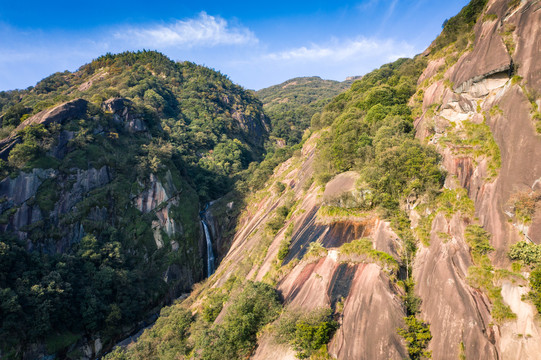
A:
(58, 114)
(83, 182)
(18, 190)
(122, 110)
(489, 56)
(456, 312)
(372, 299)
(159, 197)
(253, 126)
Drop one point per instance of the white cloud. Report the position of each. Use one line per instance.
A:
(345, 50)
(205, 30)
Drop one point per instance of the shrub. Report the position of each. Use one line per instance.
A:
(280, 187)
(478, 239)
(363, 248)
(257, 305)
(213, 306)
(535, 285)
(14, 114)
(277, 222)
(529, 253)
(315, 250)
(306, 332)
(524, 205)
(417, 335)
(284, 249)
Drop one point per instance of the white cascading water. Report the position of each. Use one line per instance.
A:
(210, 253)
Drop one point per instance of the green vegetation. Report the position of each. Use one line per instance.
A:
(284, 249)
(328, 213)
(416, 332)
(371, 131)
(95, 287)
(306, 332)
(524, 205)
(478, 240)
(530, 254)
(60, 341)
(459, 26)
(213, 306)
(490, 17)
(483, 275)
(254, 307)
(278, 221)
(292, 104)
(363, 248)
(533, 97)
(315, 250)
(507, 37)
(448, 201)
(417, 335)
(516, 79)
(527, 252)
(14, 114)
(477, 141)
(195, 107)
(177, 333)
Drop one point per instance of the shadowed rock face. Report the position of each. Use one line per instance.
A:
(123, 113)
(329, 235)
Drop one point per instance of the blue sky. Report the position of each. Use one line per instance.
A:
(257, 44)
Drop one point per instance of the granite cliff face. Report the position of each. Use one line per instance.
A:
(495, 84)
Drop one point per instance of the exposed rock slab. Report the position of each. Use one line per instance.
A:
(489, 56)
(456, 312)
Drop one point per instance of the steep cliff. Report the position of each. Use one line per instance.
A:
(478, 107)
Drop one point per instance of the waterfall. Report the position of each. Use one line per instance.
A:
(210, 253)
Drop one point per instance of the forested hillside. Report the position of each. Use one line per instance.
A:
(291, 105)
(103, 173)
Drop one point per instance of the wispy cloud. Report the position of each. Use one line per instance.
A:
(390, 11)
(205, 30)
(345, 50)
(367, 4)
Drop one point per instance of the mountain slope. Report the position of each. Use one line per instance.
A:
(103, 173)
(292, 104)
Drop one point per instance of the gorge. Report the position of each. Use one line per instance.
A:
(390, 216)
